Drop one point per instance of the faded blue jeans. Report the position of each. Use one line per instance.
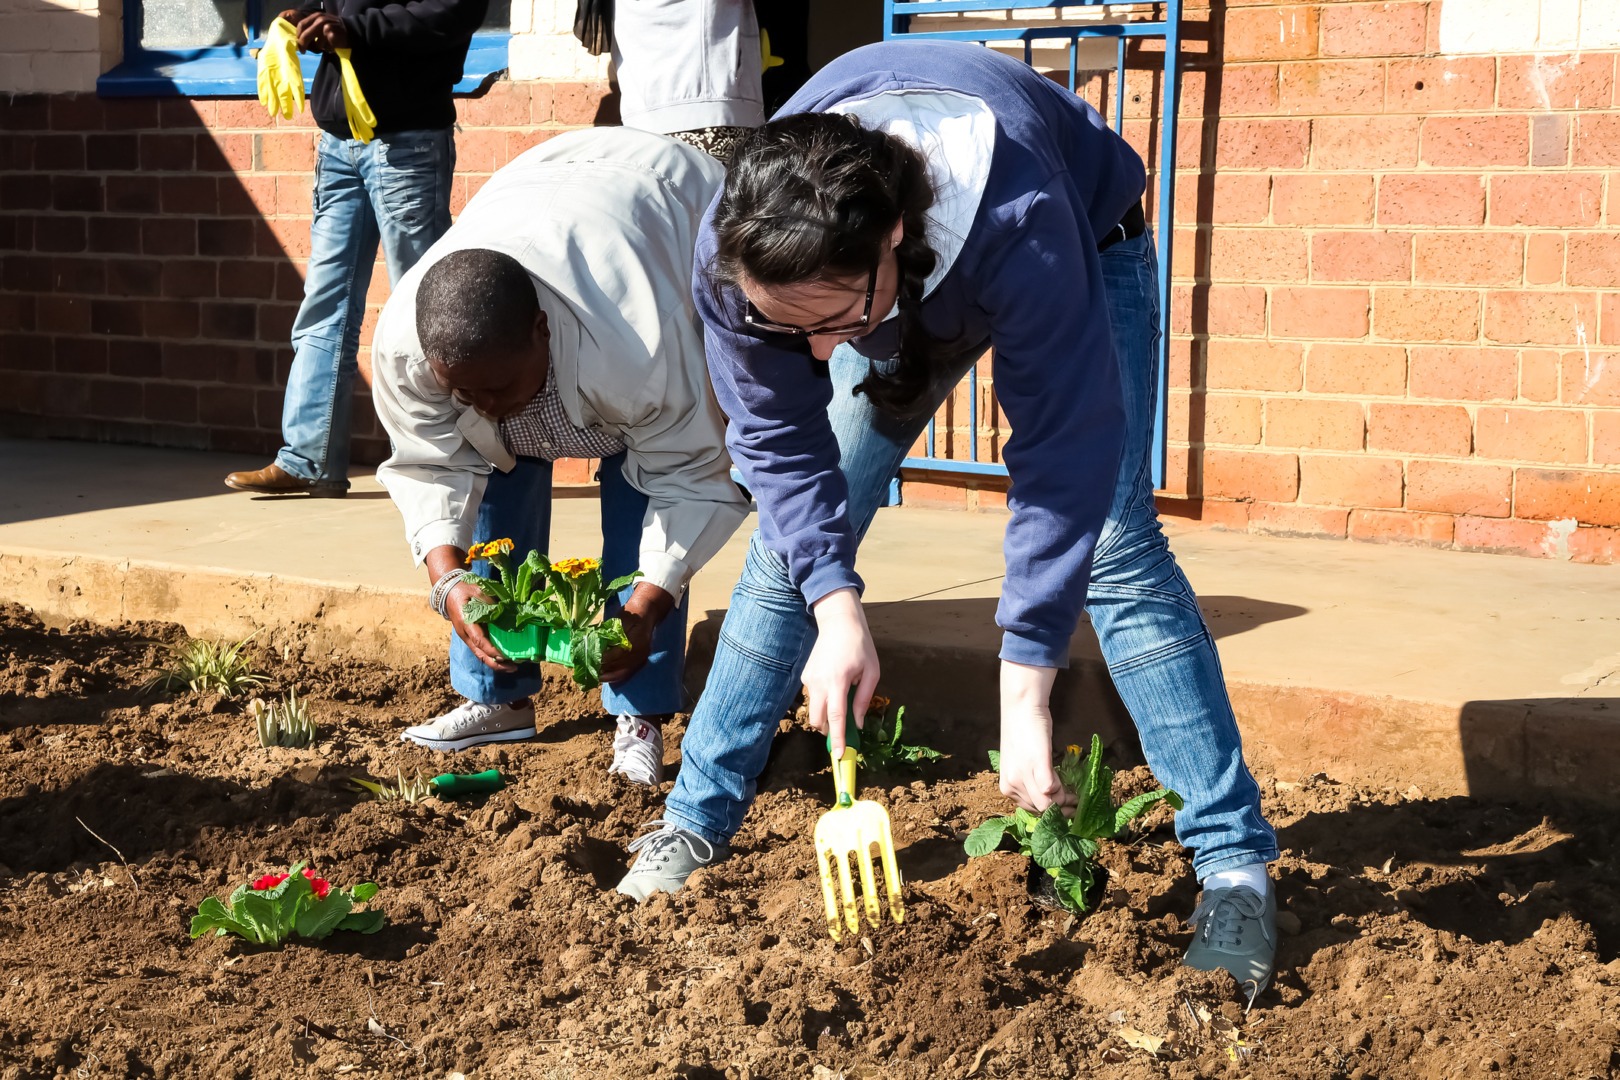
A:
(393, 191)
(1158, 649)
(517, 504)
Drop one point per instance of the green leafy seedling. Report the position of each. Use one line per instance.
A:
(283, 723)
(1065, 847)
(412, 789)
(204, 667)
(881, 745)
(276, 907)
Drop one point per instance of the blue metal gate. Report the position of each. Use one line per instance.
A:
(897, 23)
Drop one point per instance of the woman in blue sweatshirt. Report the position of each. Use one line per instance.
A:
(912, 205)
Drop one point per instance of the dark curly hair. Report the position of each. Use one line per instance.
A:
(814, 197)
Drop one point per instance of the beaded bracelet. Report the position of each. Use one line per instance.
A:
(441, 590)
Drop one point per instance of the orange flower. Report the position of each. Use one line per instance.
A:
(879, 704)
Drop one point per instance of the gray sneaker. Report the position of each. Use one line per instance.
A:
(666, 859)
(1236, 932)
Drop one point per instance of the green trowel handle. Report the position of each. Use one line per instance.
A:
(468, 783)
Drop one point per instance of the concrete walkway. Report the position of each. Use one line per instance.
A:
(1451, 672)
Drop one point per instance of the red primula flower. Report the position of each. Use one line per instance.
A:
(320, 885)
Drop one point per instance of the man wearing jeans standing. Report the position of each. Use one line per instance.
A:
(392, 190)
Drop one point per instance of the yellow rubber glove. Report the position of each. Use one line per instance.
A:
(281, 76)
(362, 121)
(766, 60)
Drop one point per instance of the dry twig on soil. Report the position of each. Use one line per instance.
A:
(115, 851)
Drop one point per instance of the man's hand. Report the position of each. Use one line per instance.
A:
(439, 562)
(475, 636)
(322, 32)
(646, 608)
(844, 656)
(1027, 774)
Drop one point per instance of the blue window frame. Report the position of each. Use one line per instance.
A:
(208, 48)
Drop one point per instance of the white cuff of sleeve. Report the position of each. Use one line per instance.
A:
(664, 570)
(437, 534)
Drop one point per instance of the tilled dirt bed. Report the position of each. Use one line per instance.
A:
(1421, 937)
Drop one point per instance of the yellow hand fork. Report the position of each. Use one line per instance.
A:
(851, 828)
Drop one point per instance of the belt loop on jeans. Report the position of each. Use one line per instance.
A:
(1133, 224)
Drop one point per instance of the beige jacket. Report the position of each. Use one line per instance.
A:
(605, 221)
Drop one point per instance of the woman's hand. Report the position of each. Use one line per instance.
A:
(844, 656)
(1027, 774)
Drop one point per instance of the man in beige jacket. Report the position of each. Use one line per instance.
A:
(555, 320)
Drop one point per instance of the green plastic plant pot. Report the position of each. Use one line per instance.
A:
(534, 642)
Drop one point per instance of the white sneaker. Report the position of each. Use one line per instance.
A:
(638, 751)
(471, 724)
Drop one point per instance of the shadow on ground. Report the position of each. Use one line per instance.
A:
(1478, 870)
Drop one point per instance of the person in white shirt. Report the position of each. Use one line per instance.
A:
(553, 320)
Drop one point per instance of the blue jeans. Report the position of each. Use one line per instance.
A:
(518, 505)
(394, 190)
(1159, 651)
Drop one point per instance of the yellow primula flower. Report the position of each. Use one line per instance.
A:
(1073, 750)
(879, 704)
(489, 548)
(575, 567)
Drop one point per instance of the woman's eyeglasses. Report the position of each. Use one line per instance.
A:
(753, 318)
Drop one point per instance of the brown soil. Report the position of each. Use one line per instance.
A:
(1423, 938)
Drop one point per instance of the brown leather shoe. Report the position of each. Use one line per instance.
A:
(274, 480)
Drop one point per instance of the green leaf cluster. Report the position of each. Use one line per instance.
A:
(1065, 847)
(206, 667)
(537, 592)
(589, 645)
(283, 723)
(270, 916)
(882, 747)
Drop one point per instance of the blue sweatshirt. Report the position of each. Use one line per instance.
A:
(1027, 280)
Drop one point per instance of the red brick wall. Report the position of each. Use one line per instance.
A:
(152, 256)
(1396, 273)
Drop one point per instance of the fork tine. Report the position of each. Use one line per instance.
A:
(891, 878)
(846, 888)
(869, 894)
(828, 895)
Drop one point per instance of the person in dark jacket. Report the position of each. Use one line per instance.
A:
(913, 204)
(393, 190)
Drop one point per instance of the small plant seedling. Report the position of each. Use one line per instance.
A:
(276, 906)
(283, 723)
(206, 667)
(405, 789)
(881, 746)
(1062, 846)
